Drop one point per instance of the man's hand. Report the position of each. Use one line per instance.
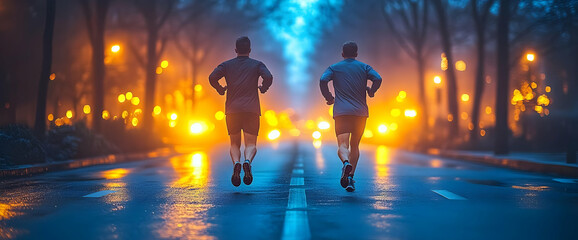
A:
(262, 90)
(369, 92)
(222, 92)
(332, 101)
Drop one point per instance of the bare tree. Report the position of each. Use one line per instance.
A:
(155, 14)
(480, 14)
(502, 130)
(95, 15)
(412, 39)
(452, 90)
(40, 122)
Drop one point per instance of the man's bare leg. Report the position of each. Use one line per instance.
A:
(343, 152)
(250, 152)
(354, 152)
(236, 157)
(343, 144)
(235, 149)
(250, 146)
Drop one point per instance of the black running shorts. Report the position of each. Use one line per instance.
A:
(248, 122)
(349, 124)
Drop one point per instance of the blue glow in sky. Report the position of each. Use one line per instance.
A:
(298, 24)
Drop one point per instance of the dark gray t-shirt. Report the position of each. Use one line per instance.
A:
(350, 82)
(242, 78)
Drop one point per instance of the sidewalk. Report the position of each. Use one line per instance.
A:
(545, 163)
(29, 170)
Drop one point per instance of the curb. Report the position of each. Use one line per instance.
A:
(30, 170)
(517, 164)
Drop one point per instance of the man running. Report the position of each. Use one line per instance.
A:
(242, 106)
(350, 111)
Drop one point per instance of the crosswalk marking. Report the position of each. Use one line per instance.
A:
(449, 195)
(99, 194)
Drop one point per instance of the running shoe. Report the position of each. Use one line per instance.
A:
(248, 178)
(351, 186)
(344, 173)
(236, 178)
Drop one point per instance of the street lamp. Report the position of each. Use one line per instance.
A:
(530, 57)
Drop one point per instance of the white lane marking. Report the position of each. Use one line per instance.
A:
(449, 195)
(299, 165)
(99, 193)
(297, 198)
(564, 180)
(297, 171)
(296, 225)
(297, 181)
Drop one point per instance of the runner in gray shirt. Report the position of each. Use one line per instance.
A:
(350, 110)
(242, 106)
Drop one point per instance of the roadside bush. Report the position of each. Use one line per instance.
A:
(19, 146)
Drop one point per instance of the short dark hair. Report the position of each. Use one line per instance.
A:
(350, 49)
(243, 45)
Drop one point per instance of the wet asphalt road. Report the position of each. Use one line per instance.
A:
(295, 194)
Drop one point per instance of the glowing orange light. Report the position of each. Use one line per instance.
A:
(295, 132)
(488, 110)
(124, 114)
(50, 117)
(173, 116)
(411, 113)
(52, 76)
(135, 101)
(220, 115)
(86, 109)
(534, 85)
(198, 127)
(530, 57)
(367, 133)
(395, 112)
(437, 80)
(316, 135)
(317, 143)
(450, 117)
(402, 94)
(393, 126)
(157, 110)
(482, 132)
(274, 134)
(464, 115)
(134, 121)
(382, 128)
(115, 48)
(548, 89)
(465, 97)
(128, 95)
(159, 70)
(164, 64)
(69, 114)
(323, 125)
(105, 115)
(121, 98)
(461, 66)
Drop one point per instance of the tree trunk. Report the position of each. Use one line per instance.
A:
(502, 130)
(151, 77)
(479, 87)
(422, 99)
(40, 120)
(98, 68)
(450, 73)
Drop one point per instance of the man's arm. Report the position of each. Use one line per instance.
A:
(214, 78)
(374, 77)
(324, 86)
(267, 78)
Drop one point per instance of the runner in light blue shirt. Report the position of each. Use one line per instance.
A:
(350, 110)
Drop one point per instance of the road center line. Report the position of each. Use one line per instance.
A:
(296, 225)
(297, 181)
(565, 180)
(449, 195)
(298, 171)
(99, 194)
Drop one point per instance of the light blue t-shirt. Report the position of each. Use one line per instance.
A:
(350, 82)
